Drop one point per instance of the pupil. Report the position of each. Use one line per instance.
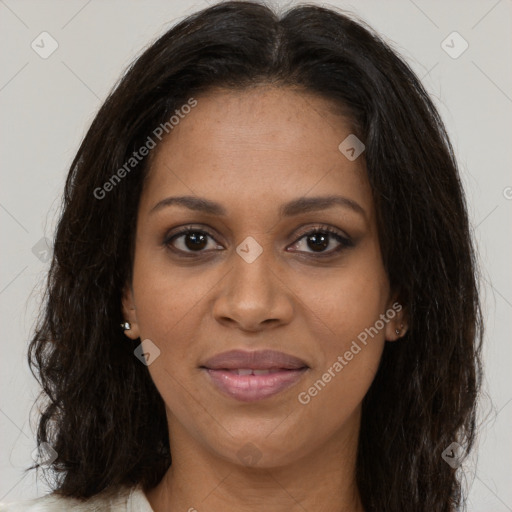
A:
(197, 241)
(320, 241)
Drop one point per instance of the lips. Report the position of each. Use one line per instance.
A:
(251, 376)
(250, 371)
(256, 360)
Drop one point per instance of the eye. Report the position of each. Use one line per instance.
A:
(194, 240)
(320, 239)
(191, 240)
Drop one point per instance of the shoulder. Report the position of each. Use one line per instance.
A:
(126, 499)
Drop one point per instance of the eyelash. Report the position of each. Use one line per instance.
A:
(345, 242)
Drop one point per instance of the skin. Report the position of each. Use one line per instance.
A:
(252, 151)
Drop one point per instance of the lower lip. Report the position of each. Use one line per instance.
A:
(249, 388)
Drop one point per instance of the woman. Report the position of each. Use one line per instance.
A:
(263, 286)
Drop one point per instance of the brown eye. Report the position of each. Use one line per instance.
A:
(319, 240)
(194, 240)
(190, 240)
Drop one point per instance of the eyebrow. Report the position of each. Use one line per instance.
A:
(295, 207)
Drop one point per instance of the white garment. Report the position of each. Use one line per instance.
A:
(128, 499)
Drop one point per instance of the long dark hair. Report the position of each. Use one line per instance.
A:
(102, 413)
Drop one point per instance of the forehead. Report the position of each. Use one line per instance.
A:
(262, 143)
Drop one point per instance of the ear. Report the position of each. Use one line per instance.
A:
(397, 323)
(130, 313)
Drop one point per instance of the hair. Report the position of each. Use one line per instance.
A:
(98, 397)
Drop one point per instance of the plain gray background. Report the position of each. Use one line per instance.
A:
(48, 104)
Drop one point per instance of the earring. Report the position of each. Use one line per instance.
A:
(126, 326)
(398, 331)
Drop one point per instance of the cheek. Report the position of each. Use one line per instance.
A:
(344, 311)
(166, 296)
(348, 358)
(350, 342)
(172, 310)
(345, 300)
(169, 314)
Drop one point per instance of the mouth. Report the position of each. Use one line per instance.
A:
(252, 376)
(249, 385)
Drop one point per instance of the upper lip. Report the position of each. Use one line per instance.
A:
(256, 360)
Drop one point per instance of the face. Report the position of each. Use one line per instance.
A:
(258, 270)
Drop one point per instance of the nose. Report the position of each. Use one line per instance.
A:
(253, 296)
